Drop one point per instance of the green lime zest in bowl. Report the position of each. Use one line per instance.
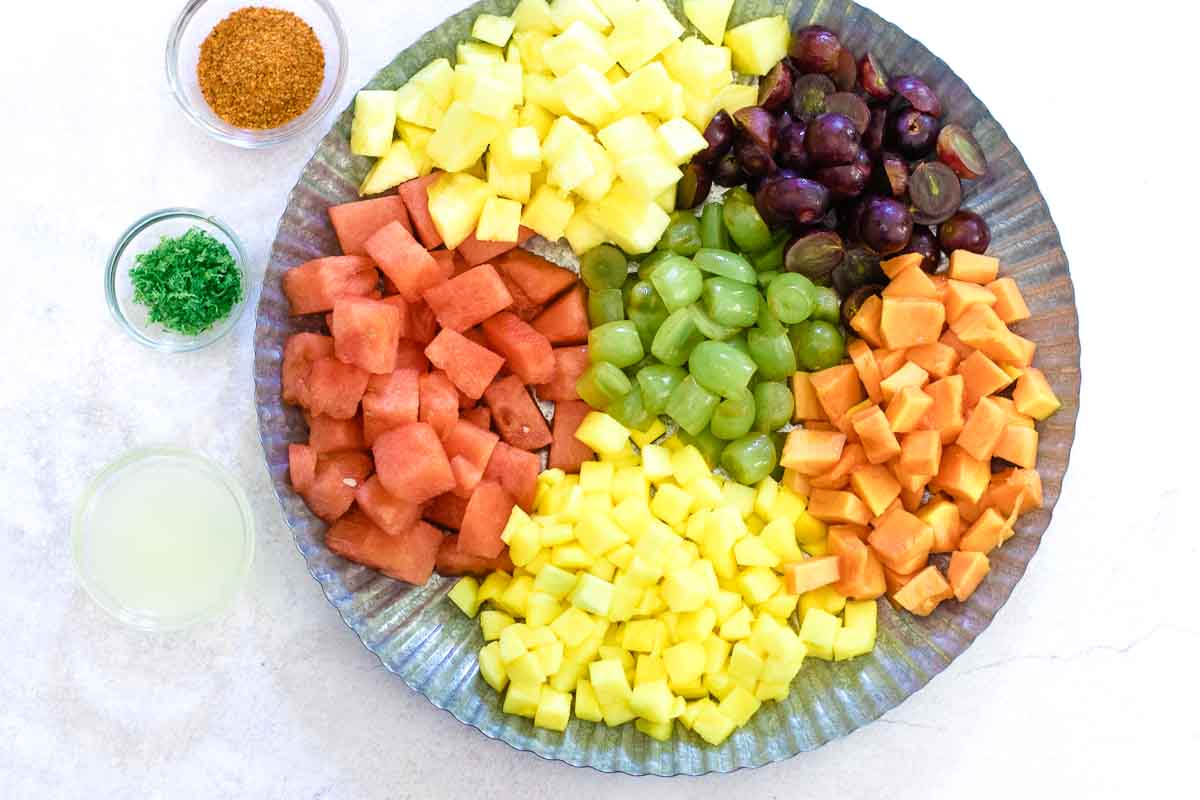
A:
(187, 283)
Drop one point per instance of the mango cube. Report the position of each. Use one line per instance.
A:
(554, 581)
(541, 609)
(522, 699)
(598, 534)
(526, 669)
(465, 595)
(592, 594)
(608, 679)
(818, 632)
(652, 701)
(752, 551)
(550, 656)
(739, 706)
(685, 590)
(856, 637)
(712, 726)
(759, 45)
(758, 584)
(617, 713)
(671, 504)
(684, 662)
(491, 666)
(825, 598)
(586, 706)
(493, 585)
(374, 121)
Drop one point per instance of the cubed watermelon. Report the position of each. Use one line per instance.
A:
(402, 307)
(412, 463)
(411, 355)
(312, 287)
(471, 442)
(484, 520)
(405, 261)
(516, 471)
(299, 353)
(522, 305)
(567, 452)
(450, 262)
(329, 435)
(337, 478)
(470, 367)
(439, 401)
(538, 278)
(476, 335)
(527, 352)
(366, 334)
(393, 515)
(466, 476)
(356, 222)
(415, 554)
(480, 416)
(565, 321)
(409, 556)
(423, 325)
(464, 302)
(446, 510)
(390, 401)
(302, 466)
(452, 561)
(569, 364)
(515, 415)
(335, 388)
(476, 252)
(416, 200)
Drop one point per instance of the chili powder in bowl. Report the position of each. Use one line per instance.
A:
(255, 76)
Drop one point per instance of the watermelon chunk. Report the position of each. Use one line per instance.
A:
(527, 352)
(470, 367)
(299, 353)
(539, 279)
(409, 556)
(484, 520)
(452, 561)
(356, 222)
(466, 475)
(393, 515)
(569, 364)
(416, 199)
(464, 302)
(439, 401)
(366, 334)
(522, 305)
(401, 305)
(423, 325)
(411, 355)
(517, 417)
(446, 510)
(567, 452)
(480, 416)
(516, 471)
(414, 555)
(566, 319)
(476, 335)
(312, 287)
(412, 463)
(335, 388)
(302, 466)
(473, 443)
(329, 435)
(475, 251)
(337, 478)
(405, 261)
(390, 401)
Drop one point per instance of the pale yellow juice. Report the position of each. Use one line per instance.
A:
(162, 540)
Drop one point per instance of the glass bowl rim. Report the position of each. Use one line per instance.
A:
(79, 534)
(246, 137)
(118, 252)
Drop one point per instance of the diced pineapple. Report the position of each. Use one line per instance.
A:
(759, 45)
(492, 623)
(520, 149)
(478, 53)
(819, 631)
(437, 80)
(709, 16)
(630, 137)
(500, 221)
(780, 536)
(649, 175)
(417, 139)
(396, 167)
(524, 540)
(540, 90)
(615, 9)
(652, 701)
(533, 15)
(640, 35)
(809, 530)
(588, 95)
(534, 116)
(576, 45)
(608, 680)
(592, 594)
(465, 595)
(540, 610)
(696, 626)
(461, 138)
(493, 585)
(586, 706)
(740, 496)
(703, 69)
(522, 699)
(570, 556)
(489, 89)
(752, 551)
(516, 596)
(825, 598)
(583, 234)
(737, 627)
(617, 714)
(564, 13)
(571, 169)
(491, 667)
(681, 140)
(712, 726)
(856, 637)
(739, 706)
(735, 97)
(511, 645)
(455, 202)
(374, 121)
(716, 654)
(629, 220)
(507, 183)
(671, 504)
(530, 44)
(512, 54)
(602, 433)
(415, 104)
(688, 465)
(646, 90)
(550, 656)
(493, 29)
(781, 605)
(675, 104)
(685, 589)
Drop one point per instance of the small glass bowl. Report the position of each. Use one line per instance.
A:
(143, 236)
(151, 557)
(192, 27)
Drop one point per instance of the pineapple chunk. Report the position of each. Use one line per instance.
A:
(533, 15)
(541, 90)
(374, 121)
(494, 585)
(703, 69)
(592, 594)
(555, 582)
(414, 104)
(489, 89)
(608, 680)
(710, 725)
(600, 183)
(583, 234)
(455, 202)
(615, 75)
(417, 139)
(759, 45)
(540, 611)
(461, 138)
(752, 551)
(675, 105)
(493, 29)
(629, 220)
(492, 622)
(512, 54)
(491, 668)
(586, 706)
(522, 699)
(506, 183)
(437, 80)
(630, 137)
(534, 116)
(615, 9)
(530, 44)
(671, 504)
(500, 221)
(548, 213)
(666, 200)
(565, 13)
(642, 33)
(602, 433)
(478, 53)
(396, 167)
(646, 90)
(681, 140)
(571, 169)
(709, 16)
(819, 631)
(576, 45)
(520, 149)
(696, 626)
(465, 595)
(587, 94)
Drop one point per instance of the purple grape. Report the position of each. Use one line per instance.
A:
(895, 171)
(775, 90)
(758, 125)
(728, 172)
(719, 135)
(917, 94)
(914, 133)
(935, 192)
(924, 242)
(966, 230)
(886, 225)
(851, 106)
(845, 76)
(873, 79)
(789, 148)
(791, 201)
(694, 187)
(832, 140)
(755, 159)
(815, 255)
(848, 180)
(873, 138)
(808, 96)
(815, 49)
(957, 149)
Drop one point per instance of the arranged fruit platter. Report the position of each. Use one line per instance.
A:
(667, 387)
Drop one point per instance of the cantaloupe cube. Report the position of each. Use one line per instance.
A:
(374, 122)
(1018, 445)
(548, 212)
(973, 268)
(924, 592)
(1010, 305)
(642, 33)
(804, 576)
(961, 476)
(812, 452)
(987, 533)
(902, 540)
(967, 570)
(878, 440)
(943, 517)
(908, 322)
(1033, 395)
(983, 429)
(759, 45)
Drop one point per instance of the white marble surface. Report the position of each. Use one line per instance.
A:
(1083, 687)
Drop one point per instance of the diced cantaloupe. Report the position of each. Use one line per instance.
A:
(868, 371)
(907, 408)
(961, 295)
(946, 416)
(987, 533)
(838, 507)
(924, 592)
(938, 359)
(966, 571)
(961, 476)
(838, 389)
(943, 517)
(873, 429)
(908, 322)
(902, 541)
(811, 452)
(838, 476)
(983, 429)
(973, 268)
(1033, 395)
(866, 323)
(1010, 304)
(1018, 445)
(911, 282)
(908, 375)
